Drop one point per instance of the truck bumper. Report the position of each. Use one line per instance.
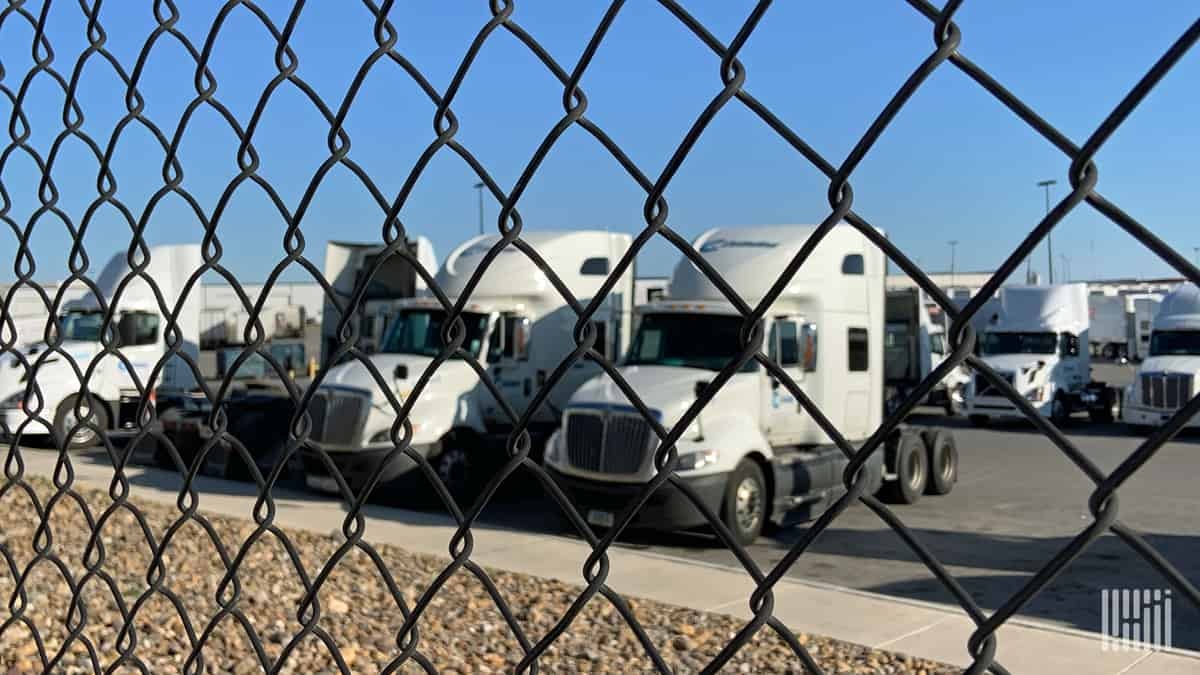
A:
(1153, 417)
(600, 503)
(999, 407)
(359, 465)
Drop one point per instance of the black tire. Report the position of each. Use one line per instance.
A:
(942, 453)
(1060, 412)
(911, 466)
(1107, 412)
(64, 419)
(455, 466)
(744, 510)
(978, 420)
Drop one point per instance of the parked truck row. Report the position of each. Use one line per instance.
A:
(753, 454)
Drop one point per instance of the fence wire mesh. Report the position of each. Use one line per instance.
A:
(729, 85)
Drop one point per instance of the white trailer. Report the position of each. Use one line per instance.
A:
(515, 320)
(914, 345)
(1166, 379)
(140, 327)
(1141, 307)
(753, 455)
(1038, 346)
(1108, 335)
(346, 264)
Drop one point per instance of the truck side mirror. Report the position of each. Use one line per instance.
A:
(699, 388)
(401, 372)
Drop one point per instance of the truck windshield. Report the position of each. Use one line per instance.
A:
(82, 326)
(1019, 343)
(419, 331)
(1175, 343)
(707, 341)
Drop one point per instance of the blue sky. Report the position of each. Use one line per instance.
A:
(954, 165)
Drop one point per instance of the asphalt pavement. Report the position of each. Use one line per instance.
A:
(1019, 501)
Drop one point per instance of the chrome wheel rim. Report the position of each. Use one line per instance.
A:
(748, 504)
(947, 466)
(916, 470)
(84, 436)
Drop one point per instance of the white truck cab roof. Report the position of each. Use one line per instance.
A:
(1062, 308)
(1180, 309)
(751, 259)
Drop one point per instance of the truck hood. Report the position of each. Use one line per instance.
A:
(669, 390)
(54, 374)
(452, 377)
(1171, 364)
(1018, 363)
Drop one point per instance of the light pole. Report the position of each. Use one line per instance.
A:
(479, 189)
(953, 245)
(1049, 244)
(1066, 267)
(1196, 254)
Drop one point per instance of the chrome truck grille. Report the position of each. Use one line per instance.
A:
(338, 416)
(984, 388)
(1169, 391)
(607, 442)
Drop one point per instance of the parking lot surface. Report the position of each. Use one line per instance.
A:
(1018, 502)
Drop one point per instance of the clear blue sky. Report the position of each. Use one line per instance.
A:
(954, 165)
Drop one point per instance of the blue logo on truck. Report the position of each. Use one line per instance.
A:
(718, 244)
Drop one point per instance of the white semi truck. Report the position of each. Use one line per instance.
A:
(140, 329)
(345, 265)
(1166, 379)
(915, 344)
(1039, 344)
(753, 455)
(515, 320)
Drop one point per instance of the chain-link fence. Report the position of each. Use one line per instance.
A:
(730, 83)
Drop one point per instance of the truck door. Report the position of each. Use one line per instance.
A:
(783, 414)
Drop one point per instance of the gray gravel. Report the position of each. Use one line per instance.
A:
(462, 630)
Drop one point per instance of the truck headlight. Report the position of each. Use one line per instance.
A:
(697, 460)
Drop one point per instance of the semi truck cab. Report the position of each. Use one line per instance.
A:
(515, 322)
(141, 339)
(1040, 347)
(752, 455)
(1166, 379)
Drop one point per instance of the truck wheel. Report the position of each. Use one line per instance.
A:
(978, 420)
(911, 466)
(1107, 411)
(1060, 413)
(943, 461)
(65, 418)
(453, 466)
(745, 507)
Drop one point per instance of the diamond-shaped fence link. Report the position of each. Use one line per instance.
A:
(729, 85)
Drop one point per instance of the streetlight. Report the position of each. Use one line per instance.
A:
(1066, 266)
(1049, 244)
(953, 245)
(479, 189)
(1196, 254)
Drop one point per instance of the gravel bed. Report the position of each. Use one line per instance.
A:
(461, 631)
